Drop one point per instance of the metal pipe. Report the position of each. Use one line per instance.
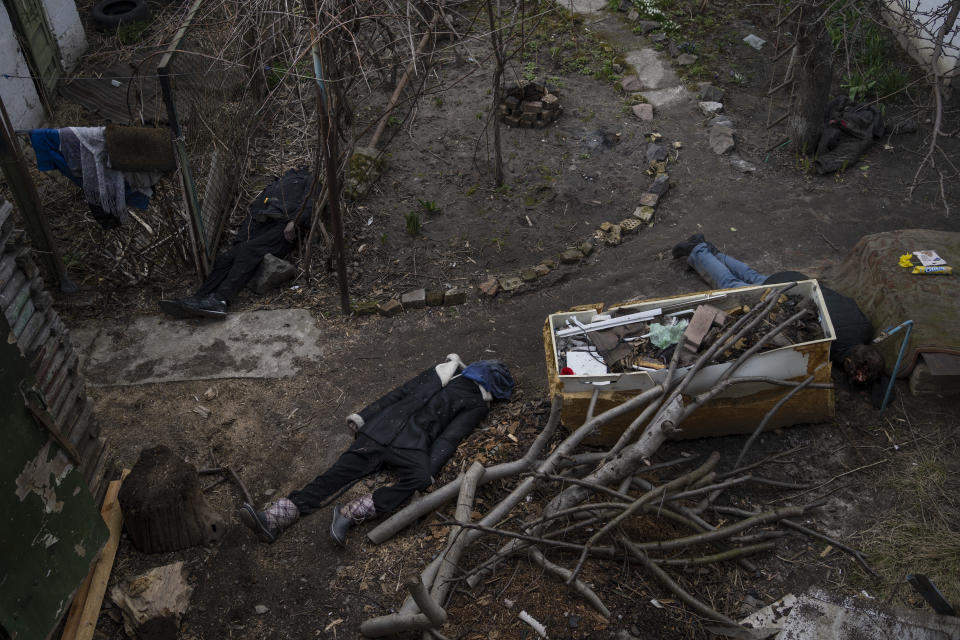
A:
(886, 333)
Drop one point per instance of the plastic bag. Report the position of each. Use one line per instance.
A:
(663, 336)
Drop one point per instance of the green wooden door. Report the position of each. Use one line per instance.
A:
(50, 529)
(40, 47)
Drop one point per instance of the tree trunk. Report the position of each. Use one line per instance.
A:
(497, 41)
(163, 507)
(814, 76)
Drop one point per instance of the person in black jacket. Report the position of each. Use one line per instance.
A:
(413, 430)
(270, 227)
(850, 350)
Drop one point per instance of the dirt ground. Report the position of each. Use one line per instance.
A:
(882, 473)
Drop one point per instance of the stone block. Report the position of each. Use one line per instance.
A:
(643, 111)
(550, 263)
(489, 287)
(606, 226)
(454, 296)
(434, 298)
(273, 272)
(528, 275)
(656, 153)
(646, 26)
(550, 101)
(721, 139)
(686, 59)
(710, 108)
(649, 199)
(661, 184)
(710, 93)
(644, 214)
(542, 270)
(629, 225)
(612, 236)
(571, 256)
(511, 283)
(585, 247)
(631, 84)
(416, 299)
(389, 308)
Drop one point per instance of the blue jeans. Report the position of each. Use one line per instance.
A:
(720, 271)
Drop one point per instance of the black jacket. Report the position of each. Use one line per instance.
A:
(849, 323)
(425, 415)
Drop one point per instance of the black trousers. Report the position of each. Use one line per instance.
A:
(366, 456)
(233, 268)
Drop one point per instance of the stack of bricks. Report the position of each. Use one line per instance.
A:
(534, 104)
(45, 343)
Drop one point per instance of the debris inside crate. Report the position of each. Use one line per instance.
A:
(627, 341)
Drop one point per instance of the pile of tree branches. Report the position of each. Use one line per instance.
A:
(598, 492)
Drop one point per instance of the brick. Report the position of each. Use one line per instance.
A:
(454, 296)
(389, 308)
(550, 101)
(434, 298)
(532, 106)
(489, 287)
(416, 299)
(365, 308)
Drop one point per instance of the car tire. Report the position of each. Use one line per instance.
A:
(111, 14)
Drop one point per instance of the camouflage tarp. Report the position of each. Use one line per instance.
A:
(889, 294)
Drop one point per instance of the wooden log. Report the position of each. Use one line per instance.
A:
(164, 507)
(153, 604)
(82, 619)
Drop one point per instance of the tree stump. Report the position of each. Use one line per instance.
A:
(163, 507)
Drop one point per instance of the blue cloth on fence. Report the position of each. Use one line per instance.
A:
(46, 146)
(493, 375)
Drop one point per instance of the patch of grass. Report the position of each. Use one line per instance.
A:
(132, 33)
(429, 206)
(413, 222)
(868, 58)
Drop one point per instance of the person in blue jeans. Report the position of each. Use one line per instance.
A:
(851, 350)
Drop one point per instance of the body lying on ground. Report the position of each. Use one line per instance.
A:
(413, 430)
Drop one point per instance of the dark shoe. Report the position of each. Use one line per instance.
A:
(339, 526)
(178, 308)
(683, 249)
(206, 307)
(256, 521)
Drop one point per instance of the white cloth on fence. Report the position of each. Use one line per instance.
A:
(85, 150)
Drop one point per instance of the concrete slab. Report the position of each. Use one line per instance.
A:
(148, 349)
(661, 98)
(585, 6)
(820, 615)
(654, 73)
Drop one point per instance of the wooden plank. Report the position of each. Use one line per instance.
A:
(85, 610)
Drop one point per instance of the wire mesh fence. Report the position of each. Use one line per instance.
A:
(209, 103)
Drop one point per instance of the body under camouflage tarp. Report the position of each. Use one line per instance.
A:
(890, 294)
